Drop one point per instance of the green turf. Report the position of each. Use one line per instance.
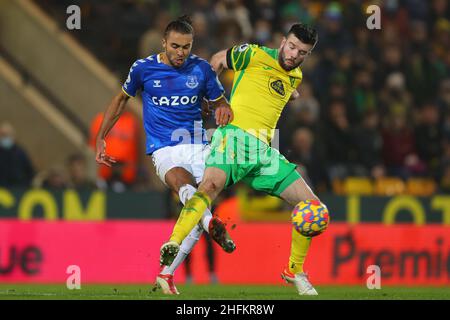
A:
(200, 292)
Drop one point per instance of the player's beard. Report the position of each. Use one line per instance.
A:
(282, 59)
(173, 60)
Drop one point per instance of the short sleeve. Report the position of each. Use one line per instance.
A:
(239, 57)
(214, 89)
(134, 81)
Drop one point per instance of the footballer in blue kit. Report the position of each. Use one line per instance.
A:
(173, 85)
(172, 99)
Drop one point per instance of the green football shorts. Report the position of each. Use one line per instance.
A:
(244, 157)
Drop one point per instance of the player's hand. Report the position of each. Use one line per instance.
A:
(100, 155)
(294, 95)
(224, 115)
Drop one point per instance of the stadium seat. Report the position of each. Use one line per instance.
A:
(420, 186)
(389, 186)
(338, 186)
(357, 185)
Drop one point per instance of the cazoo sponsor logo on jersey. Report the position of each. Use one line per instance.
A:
(174, 100)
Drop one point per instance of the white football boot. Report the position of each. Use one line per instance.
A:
(301, 282)
(165, 282)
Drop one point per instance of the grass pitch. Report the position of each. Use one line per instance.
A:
(216, 292)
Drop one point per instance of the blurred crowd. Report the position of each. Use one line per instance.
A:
(374, 103)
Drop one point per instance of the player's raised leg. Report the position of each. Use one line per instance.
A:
(179, 179)
(298, 191)
(213, 182)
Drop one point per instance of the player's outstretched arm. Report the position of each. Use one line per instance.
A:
(112, 114)
(219, 61)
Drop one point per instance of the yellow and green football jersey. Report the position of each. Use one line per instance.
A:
(261, 88)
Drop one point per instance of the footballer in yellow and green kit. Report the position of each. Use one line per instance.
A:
(264, 81)
(261, 89)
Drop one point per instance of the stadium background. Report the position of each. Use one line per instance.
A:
(371, 134)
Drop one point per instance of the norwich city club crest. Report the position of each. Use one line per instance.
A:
(276, 87)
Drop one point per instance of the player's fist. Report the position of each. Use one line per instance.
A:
(224, 115)
(294, 95)
(100, 154)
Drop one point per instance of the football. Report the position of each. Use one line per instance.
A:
(310, 218)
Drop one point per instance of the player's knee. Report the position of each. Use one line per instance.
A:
(210, 187)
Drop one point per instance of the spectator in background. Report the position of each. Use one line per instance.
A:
(16, 169)
(337, 136)
(306, 153)
(394, 98)
(443, 178)
(123, 144)
(294, 11)
(230, 33)
(263, 32)
(392, 63)
(54, 179)
(422, 70)
(265, 10)
(439, 9)
(306, 110)
(234, 10)
(77, 171)
(334, 29)
(303, 112)
(344, 71)
(395, 16)
(441, 44)
(368, 143)
(338, 89)
(399, 147)
(150, 41)
(428, 135)
(204, 44)
(444, 96)
(363, 95)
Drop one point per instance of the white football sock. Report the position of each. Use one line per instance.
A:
(185, 193)
(185, 248)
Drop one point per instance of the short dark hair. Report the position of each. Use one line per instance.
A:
(304, 33)
(181, 25)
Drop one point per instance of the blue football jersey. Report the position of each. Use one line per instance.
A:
(172, 99)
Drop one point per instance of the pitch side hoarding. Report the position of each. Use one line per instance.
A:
(128, 252)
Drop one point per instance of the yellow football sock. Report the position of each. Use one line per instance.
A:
(190, 215)
(299, 249)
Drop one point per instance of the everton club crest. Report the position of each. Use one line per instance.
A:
(192, 82)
